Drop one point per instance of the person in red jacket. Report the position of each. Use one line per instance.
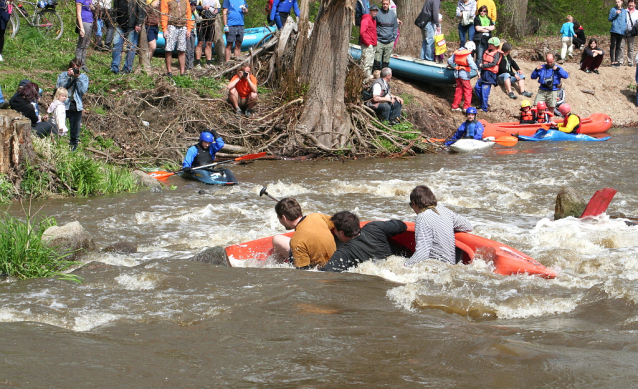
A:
(368, 39)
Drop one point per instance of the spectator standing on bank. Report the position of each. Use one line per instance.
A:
(4, 21)
(362, 8)
(628, 40)
(233, 14)
(567, 33)
(466, 12)
(177, 24)
(191, 41)
(76, 83)
(152, 12)
(484, 27)
(463, 64)
(491, 8)
(387, 28)
(281, 10)
(84, 28)
(128, 19)
(618, 19)
(431, 9)
(103, 16)
(368, 39)
(208, 10)
(549, 77)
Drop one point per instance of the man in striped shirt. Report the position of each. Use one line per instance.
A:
(435, 228)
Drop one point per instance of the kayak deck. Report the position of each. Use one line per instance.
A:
(211, 176)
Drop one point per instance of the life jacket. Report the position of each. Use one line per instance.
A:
(546, 117)
(470, 129)
(460, 59)
(576, 129)
(488, 57)
(203, 156)
(527, 117)
(385, 90)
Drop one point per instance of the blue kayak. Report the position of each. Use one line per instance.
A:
(555, 135)
(416, 69)
(252, 36)
(211, 177)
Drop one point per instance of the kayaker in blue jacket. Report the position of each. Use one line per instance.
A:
(618, 19)
(281, 9)
(203, 153)
(549, 77)
(469, 129)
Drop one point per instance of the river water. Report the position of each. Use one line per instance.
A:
(154, 319)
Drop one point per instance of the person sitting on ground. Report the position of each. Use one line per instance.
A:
(492, 58)
(361, 244)
(541, 114)
(463, 64)
(527, 114)
(387, 106)
(26, 102)
(434, 229)
(312, 245)
(57, 109)
(579, 39)
(471, 128)
(592, 57)
(507, 75)
(242, 91)
(549, 77)
(571, 124)
(203, 153)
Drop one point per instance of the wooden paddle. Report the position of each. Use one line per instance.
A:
(503, 140)
(161, 175)
(599, 202)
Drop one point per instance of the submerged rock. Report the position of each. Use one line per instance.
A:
(121, 247)
(569, 203)
(70, 238)
(143, 179)
(213, 255)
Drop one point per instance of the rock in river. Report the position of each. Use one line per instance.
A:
(569, 203)
(71, 237)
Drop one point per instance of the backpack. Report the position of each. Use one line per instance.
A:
(366, 94)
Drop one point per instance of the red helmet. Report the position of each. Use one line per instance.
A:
(564, 109)
(541, 105)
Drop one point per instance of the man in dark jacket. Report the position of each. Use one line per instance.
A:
(129, 17)
(387, 29)
(431, 9)
(361, 244)
(506, 74)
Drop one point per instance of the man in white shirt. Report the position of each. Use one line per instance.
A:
(386, 105)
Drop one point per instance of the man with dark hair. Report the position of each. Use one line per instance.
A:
(129, 18)
(387, 30)
(242, 91)
(509, 73)
(313, 242)
(361, 244)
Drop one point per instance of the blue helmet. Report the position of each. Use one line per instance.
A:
(471, 110)
(208, 137)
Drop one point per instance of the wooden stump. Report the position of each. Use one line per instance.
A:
(16, 146)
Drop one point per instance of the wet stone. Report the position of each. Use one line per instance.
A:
(203, 192)
(143, 179)
(569, 203)
(213, 255)
(156, 189)
(121, 247)
(70, 238)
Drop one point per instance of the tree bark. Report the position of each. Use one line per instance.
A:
(15, 142)
(219, 39)
(410, 37)
(324, 69)
(145, 58)
(512, 18)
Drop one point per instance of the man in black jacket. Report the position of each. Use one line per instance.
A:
(361, 244)
(129, 17)
(509, 72)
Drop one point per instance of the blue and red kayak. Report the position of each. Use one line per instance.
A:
(559, 136)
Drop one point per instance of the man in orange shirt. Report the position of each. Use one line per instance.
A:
(242, 91)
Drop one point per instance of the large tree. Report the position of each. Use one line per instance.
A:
(512, 18)
(411, 37)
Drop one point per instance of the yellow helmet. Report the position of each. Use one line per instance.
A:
(526, 103)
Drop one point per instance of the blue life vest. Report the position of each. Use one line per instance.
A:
(470, 129)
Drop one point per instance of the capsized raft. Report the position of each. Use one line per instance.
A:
(507, 260)
(416, 69)
(594, 124)
(559, 136)
(211, 176)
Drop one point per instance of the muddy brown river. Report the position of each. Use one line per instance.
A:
(156, 320)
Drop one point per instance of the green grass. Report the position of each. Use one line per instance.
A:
(24, 255)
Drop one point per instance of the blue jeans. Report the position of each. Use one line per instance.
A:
(427, 47)
(469, 30)
(118, 42)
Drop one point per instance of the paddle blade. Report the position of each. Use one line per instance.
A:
(251, 156)
(506, 141)
(160, 175)
(599, 202)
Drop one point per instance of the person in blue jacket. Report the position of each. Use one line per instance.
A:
(281, 9)
(203, 153)
(618, 19)
(549, 77)
(362, 8)
(471, 128)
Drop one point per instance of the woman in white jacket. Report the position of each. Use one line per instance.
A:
(58, 111)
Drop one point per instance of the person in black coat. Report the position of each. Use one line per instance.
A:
(26, 102)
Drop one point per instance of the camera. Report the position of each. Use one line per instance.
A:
(245, 74)
(76, 71)
(548, 82)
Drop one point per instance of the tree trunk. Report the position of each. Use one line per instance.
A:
(410, 37)
(512, 18)
(324, 69)
(219, 39)
(145, 58)
(15, 142)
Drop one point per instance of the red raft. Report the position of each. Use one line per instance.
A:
(595, 124)
(507, 260)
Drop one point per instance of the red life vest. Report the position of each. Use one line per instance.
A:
(576, 129)
(527, 117)
(488, 57)
(546, 117)
(460, 59)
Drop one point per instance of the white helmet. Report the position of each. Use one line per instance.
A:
(471, 46)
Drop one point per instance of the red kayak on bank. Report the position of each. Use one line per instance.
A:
(507, 260)
(594, 124)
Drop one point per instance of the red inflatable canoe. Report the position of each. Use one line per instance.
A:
(507, 260)
(595, 124)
